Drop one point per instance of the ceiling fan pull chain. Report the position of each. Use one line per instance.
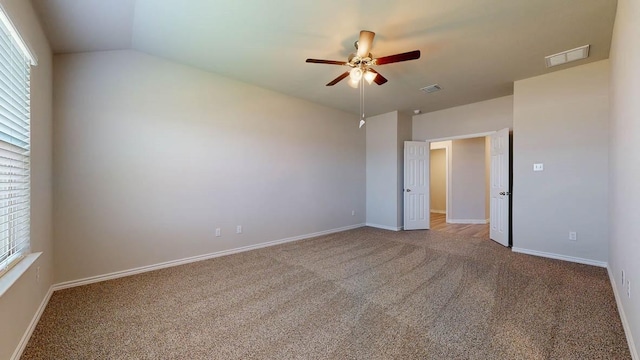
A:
(362, 101)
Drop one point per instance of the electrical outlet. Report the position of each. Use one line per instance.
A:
(353, 213)
(239, 229)
(38, 274)
(217, 232)
(629, 289)
(573, 236)
(622, 277)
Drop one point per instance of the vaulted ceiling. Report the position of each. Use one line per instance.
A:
(475, 49)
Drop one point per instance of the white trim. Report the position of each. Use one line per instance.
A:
(384, 227)
(449, 164)
(459, 137)
(578, 260)
(4, 18)
(32, 326)
(143, 269)
(12, 275)
(468, 221)
(438, 211)
(446, 145)
(438, 145)
(623, 316)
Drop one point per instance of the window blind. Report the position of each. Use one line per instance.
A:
(15, 71)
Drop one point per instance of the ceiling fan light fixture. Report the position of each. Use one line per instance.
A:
(356, 74)
(370, 76)
(353, 83)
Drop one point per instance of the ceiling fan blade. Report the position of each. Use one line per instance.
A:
(330, 62)
(338, 79)
(364, 42)
(379, 79)
(411, 55)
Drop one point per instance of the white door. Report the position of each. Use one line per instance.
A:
(416, 185)
(499, 208)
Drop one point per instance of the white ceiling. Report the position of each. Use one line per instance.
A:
(474, 49)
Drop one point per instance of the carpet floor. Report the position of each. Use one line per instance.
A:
(360, 294)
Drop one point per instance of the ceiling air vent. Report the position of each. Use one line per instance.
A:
(579, 53)
(431, 88)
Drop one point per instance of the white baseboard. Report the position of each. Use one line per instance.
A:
(384, 227)
(143, 269)
(438, 211)
(623, 316)
(468, 221)
(560, 257)
(32, 326)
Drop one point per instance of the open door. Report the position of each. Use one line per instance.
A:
(416, 185)
(499, 207)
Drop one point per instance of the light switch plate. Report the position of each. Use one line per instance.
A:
(538, 167)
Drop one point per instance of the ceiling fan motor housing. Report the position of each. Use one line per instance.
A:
(361, 62)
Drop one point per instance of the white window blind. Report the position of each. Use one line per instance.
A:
(15, 70)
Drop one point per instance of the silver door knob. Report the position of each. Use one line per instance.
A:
(505, 193)
(408, 190)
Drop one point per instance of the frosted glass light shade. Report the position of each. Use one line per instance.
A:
(370, 76)
(356, 74)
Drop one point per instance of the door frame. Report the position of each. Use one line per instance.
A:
(448, 152)
(447, 172)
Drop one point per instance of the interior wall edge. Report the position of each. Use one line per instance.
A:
(32, 325)
(623, 316)
(577, 260)
(191, 259)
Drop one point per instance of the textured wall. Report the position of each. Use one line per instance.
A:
(404, 134)
(476, 118)
(382, 170)
(561, 120)
(151, 157)
(624, 167)
(468, 199)
(438, 180)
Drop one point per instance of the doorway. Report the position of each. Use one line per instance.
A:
(459, 186)
(417, 214)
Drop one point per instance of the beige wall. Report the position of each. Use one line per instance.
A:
(404, 134)
(480, 117)
(152, 156)
(487, 177)
(438, 180)
(19, 304)
(467, 181)
(624, 166)
(382, 170)
(560, 120)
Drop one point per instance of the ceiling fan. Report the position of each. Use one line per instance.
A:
(362, 61)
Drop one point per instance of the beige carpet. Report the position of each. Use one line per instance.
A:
(360, 294)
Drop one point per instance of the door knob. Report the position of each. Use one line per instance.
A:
(505, 193)
(408, 190)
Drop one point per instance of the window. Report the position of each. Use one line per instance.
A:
(15, 71)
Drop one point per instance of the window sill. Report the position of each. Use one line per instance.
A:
(11, 277)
